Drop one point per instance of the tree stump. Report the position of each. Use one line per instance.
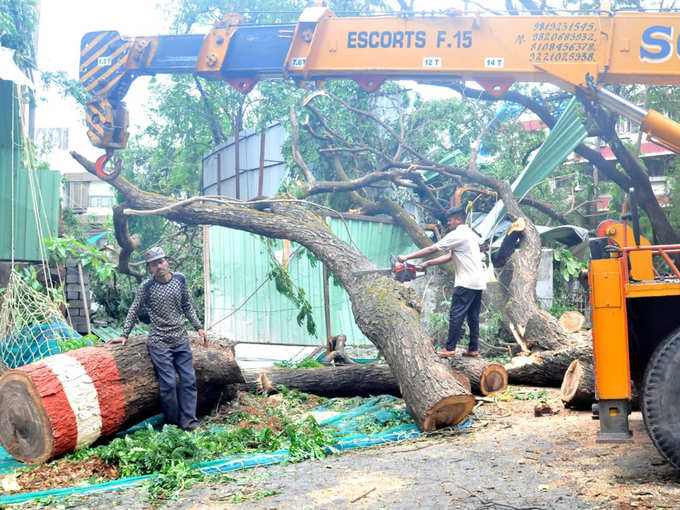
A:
(546, 368)
(572, 321)
(335, 351)
(356, 380)
(486, 377)
(68, 401)
(578, 387)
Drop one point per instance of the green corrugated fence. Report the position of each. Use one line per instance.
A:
(16, 187)
(245, 305)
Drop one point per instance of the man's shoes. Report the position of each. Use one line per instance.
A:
(191, 427)
(445, 353)
(471, 354)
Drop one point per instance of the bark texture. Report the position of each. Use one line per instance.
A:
(68, 401)
(578, 387)
(544, 332)
(335, 351)
(342, 381)
(546, 368)
(385, 311)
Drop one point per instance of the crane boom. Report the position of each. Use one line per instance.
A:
(577, 53)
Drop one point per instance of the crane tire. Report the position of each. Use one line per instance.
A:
(661, 398)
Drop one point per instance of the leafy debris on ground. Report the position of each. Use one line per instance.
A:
(251, 424)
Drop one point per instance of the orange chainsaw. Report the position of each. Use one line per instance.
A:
(402, 271)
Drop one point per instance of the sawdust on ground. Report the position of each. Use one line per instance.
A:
(620, 476)
(507, 438)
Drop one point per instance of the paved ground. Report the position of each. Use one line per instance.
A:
(510, 459)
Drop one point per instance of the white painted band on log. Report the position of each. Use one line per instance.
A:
(81, 395)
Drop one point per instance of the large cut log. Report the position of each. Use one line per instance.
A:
(357, 380)
(68, 401)
(546, 368)
(486, 377)
(544, 332)
(572, 321)
(578, 387)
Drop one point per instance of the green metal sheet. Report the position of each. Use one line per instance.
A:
(245, 306)
(108, 332)
(563, 138)
(17, 212)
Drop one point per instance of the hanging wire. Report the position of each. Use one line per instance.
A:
(12, 177)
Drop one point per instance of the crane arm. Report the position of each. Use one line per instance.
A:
(495, 51)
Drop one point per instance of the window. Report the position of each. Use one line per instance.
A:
(77, 198)
(100, 201)
(54, 137)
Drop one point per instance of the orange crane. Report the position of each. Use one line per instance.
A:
(578, 53)
(636, 325)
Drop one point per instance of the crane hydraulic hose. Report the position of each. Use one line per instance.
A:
(658, 127)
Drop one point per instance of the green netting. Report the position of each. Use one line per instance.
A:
(31, 323)
(361, 414)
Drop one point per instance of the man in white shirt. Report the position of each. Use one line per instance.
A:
(462, 244)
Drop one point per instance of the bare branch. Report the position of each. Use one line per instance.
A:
(378, 121)
(545, 209)
(218, 134)
(297, 156)
(608, 168)
(126, 242)
(354, 184)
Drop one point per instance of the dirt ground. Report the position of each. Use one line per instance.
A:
(509, 459)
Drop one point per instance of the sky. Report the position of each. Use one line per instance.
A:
(62, 25)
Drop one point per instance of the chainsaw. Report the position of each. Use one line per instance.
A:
(402, 271)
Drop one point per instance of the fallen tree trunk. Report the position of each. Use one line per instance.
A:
(386, 311)
(477, 376)
(486, 377)
(578, 387)
(68, 401)
(546, 368)
(342, 381)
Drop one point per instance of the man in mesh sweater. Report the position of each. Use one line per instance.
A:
(166, 297)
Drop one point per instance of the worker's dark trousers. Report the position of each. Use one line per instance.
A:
(464, 302)
(177, 382)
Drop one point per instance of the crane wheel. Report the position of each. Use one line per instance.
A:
(661, 398)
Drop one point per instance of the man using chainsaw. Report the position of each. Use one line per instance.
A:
(462, 244)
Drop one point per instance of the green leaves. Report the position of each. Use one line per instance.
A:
(566, 267)
(18, 19)
(286, 286)
(173, 453)
(70, 344)
(89, 257)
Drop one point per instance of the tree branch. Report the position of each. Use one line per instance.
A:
(218, 134)
(126, 242)
(545, 209)
(297, 156)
